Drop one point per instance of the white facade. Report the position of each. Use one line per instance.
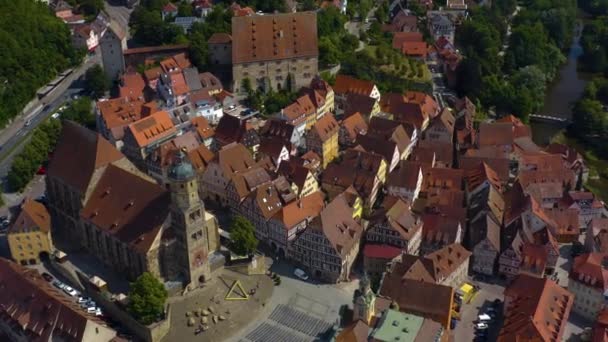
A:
(588, 300)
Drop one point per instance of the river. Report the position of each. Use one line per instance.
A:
(562, 92)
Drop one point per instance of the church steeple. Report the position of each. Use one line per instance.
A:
(188, 220)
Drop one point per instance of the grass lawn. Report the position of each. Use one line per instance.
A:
(598, 168)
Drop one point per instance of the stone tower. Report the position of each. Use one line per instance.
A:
(112, 44)
(365, 302)
(188, 222)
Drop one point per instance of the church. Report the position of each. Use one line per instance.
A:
(100, 202)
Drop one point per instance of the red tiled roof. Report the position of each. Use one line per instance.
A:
(347, 84)
(354, 125)
(326, 127)
(78, 154)
(128, 207)
(220, 38)
(591, 270)
(538, 310)
(399, 38)
(33, 216)
(37, 310)
(152, 128)
(381, 251)
(274, 36)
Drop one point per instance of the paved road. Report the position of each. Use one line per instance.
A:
(119, 13)
(12, 135)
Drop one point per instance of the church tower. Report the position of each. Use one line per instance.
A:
(188, 222)
(365, 302)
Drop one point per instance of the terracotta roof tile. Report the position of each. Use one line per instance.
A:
(347, 84)
(337, 224)
(33, 216)
(305, 208)
(399, 38)
(590, 269)
(358, 103)
(78, 154)
(357, 331)
(354, 125)
(132, 85)
(421, 298)
(405, 175)
(128, 207)
(326, 127)
(31, 303)
(495, 134)
(120, 112)
(381, 251)
(233, 158)
(152, 128)
(220, 38)
(448, 259)
(274, 36)
(203, 128)
(538, 310)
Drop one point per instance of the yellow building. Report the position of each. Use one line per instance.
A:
(30, 234)
(323, 139)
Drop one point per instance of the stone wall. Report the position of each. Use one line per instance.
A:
(151, 333)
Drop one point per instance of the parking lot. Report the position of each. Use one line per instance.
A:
(488, 292)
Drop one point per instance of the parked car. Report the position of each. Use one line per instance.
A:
(70, 291)
(481, 326)
(484, 318)
(98, 312)
(27, 123)
(47, 276)
(82, 300)
(300, 274)
(55, 115)
(58, 284)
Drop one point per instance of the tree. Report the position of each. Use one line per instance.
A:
(97, 82)
(242, 235)
(80, 111)
(147, 298)
(32, 54)
(184, 10)
(91, 7)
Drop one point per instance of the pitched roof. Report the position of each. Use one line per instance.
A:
(443, 178)
(337, 224)
(348, 84)
(405, 175)
(246, 181)
(200, 157)
(495, 168)
(128, 207)
(132, 85)
(203, 128)
(381, 251)
(78, 154)
(354, 125)
(538, 310)
(438, 228)
(357, 168)
(592, 270)
(421, 298)
(476, 176)
(305, 208)
(497, 133)
(326, 127)
(164, 154)
(402, 37)
(442, 152)
(119, 112)
(32, 217)
(419, 49)
(294, 172)
(415, 267)
(358, 103)
(400, 218)
(448, 259)
(279, 128)
(274, 36)
(385, 148)
(152, 128)
(234, 157)
(220, 38)
(30, 304)
(355, 332)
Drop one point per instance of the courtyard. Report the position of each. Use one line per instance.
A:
(208, 306)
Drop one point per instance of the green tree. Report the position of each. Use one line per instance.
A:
(91, 7)
(242, 235)
(147, 298)
(32, 54)
(97, 82)
(184, 9)
(80, 111)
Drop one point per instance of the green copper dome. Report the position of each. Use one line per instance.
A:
(182, 169)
